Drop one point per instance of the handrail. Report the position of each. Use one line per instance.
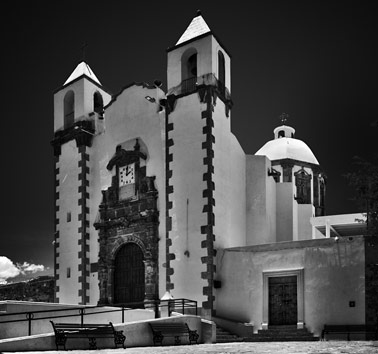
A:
(172, 304)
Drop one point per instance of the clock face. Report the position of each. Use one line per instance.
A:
(127, 175)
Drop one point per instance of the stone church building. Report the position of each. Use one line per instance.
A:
(155, 198)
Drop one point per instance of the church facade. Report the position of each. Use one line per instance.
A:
(155, 198)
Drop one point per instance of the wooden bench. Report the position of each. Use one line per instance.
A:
(63, 331)
(347, 329)
(173, 329)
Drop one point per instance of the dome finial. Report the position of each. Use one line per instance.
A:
(198, 12)
(283, 118)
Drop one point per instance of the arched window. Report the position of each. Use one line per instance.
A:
(189, 70)
(189, 64)
(69, 109)
(303, 184)
(281, 134)
(98, 103)
(221, 68)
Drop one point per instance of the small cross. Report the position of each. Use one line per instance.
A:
(85, 45)
(283, 118)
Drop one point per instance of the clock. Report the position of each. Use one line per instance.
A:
(127, 175)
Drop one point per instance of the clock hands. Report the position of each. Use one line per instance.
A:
(128, 170)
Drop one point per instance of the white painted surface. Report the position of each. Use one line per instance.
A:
(326, 265)
(261, 201)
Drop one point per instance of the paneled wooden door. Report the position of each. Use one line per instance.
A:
(129, 275)
(283, 308)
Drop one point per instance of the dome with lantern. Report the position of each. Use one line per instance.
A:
(285, 146)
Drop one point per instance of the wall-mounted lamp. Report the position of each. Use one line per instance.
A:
(150, 99)
(153, 100)
(83, 130)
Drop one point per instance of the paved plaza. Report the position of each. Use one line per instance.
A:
(331, 347)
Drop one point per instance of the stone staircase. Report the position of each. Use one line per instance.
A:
(223, 336)
(282, 334)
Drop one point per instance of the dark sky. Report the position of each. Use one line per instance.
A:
(315, 60)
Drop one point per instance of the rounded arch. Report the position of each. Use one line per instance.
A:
(189, 64)
(69, 108)
(98, 103)
(125, 240)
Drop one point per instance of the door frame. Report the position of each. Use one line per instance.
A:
(299, 273)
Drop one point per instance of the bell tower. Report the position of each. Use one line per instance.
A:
(200, 161)
(78, 119)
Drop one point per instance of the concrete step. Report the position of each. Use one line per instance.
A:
(284, 339)
(282, 333)
(224, 336)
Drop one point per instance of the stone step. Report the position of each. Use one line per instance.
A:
(224, 336)
(282, 334)
(284, 339)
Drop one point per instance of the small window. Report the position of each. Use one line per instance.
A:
(221, 68)
(69, 216)
(69, 109)
(281, 134)
(192, 66)
(68, 272)
(98, 104)
(189, 64)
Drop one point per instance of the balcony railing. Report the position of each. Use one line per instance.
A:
(191, 85)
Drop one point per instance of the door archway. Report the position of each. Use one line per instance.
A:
(129, 274)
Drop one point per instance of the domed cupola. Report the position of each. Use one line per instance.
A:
(292, 161)
(285, 146)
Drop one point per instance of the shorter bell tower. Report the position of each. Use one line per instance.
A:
(78, 120)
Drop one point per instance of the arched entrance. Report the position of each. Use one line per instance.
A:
(129, 274)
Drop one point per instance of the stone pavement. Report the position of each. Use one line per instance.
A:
(330, 347)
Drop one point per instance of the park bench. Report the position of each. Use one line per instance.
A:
(63, 331)
(173, 329)
(347, 329)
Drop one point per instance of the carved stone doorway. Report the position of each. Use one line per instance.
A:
(129, 275)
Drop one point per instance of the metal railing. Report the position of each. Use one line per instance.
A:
(178, 305)
(191, 84)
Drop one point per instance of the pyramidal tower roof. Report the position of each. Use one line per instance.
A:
(196, 28)
(82, 69)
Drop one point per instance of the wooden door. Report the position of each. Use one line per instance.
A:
(129, 278)
(283, 300)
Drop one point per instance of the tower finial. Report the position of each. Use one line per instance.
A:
(283, 118)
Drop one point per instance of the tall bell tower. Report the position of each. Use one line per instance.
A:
(78, 119)
(203, 162)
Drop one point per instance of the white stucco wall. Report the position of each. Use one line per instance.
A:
(68, 247)
(187, 198)
(333, 276)
(284, 204)
(305, 212)
(229, 180)
(261, 201)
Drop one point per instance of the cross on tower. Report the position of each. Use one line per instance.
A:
(283, 118)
